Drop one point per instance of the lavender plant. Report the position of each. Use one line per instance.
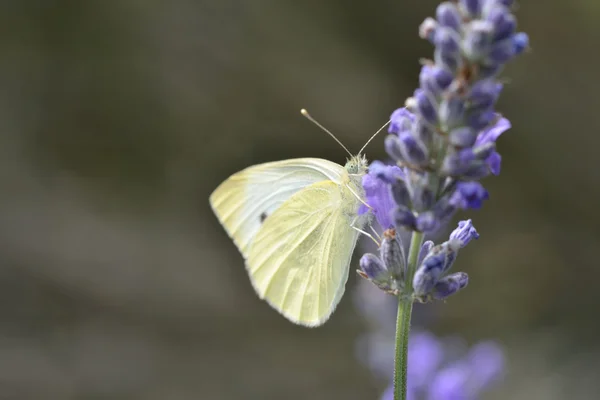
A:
(438, 369)
(443, 142)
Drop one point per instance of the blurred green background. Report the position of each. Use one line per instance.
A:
(117, 120)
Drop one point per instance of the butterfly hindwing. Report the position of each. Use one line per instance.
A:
(299, 259)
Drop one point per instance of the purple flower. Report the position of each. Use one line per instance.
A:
(469, 195)
(401, 120)
(471, 7)
(464, 233)
(387, 173)
(520, 42)
(485, 93)
(432, 375)
(429, 280)
(451, 383)
(434, 79)
(386, 271)
(449, 285)
(425, 354)
(448, 15)
(490, 135)
(426, 106)
(373, 268)
(378, 193)
(487, 361)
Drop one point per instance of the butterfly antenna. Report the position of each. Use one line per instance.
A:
(314, 121)
(373, 137)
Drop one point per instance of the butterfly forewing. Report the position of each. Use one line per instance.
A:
(246, 199)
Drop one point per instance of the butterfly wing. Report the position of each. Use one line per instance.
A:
(246, 199)
(299, 259)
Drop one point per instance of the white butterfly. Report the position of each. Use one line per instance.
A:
(296, 223)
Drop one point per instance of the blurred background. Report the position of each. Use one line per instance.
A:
(117, 120)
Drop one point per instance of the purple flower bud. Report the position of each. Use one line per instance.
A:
(450, 61)
(494, 162)
(392, 254)
(469, 195)
(403, 216)
(488, 5)
(425, 249)
(447, 40)
(428, 28)
(426, 106)
(477, 170)
(484, 93)
(504, 22)
(422, 131)
(400, 193)
(493, 132)
(434, 78)
(422, 196)
(452, 247)
(393, 147)
(520, 42)
(464, 233)
(401, 120)
(373, 268)
(489, 71)
(387, 173)
(462, 137)
(490, 135)
(472, 7)
(427, 222)
(478, 39)
(481, 119)
(428, 273)
(451, 112)
(457, 163)
(501, 52)
(413, 151)
(449, 285)
(448, 16)
(484, 151)
(379, 196)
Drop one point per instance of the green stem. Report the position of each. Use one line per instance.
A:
(403, 320)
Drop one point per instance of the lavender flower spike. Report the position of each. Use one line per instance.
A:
(445, 138)
(441, 145)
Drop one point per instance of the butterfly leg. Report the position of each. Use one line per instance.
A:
(358, 197)
(375, 232)
(378, 243)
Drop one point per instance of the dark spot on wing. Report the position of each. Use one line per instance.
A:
(263, 216)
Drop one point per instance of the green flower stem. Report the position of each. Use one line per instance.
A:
(405, 304)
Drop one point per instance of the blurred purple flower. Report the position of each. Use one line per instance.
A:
(435, 371)
(432, 376)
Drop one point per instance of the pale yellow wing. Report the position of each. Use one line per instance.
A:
(299, 259)
(246, 199)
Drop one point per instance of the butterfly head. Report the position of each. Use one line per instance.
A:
(356, 165)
